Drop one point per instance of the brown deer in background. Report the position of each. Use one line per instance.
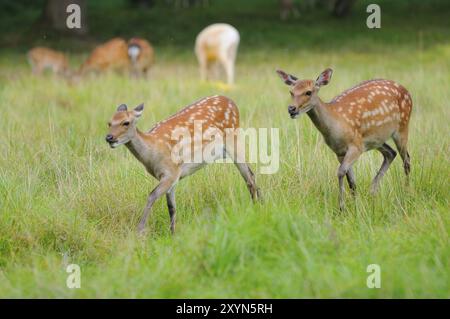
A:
(358, 120)
(141, 55)
(41, 59)
(111, 55)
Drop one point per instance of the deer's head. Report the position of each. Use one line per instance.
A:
(304, 92)
(122, 126)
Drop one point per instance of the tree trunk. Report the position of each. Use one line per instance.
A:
(145, 4)
(342, 7)
(55, 16)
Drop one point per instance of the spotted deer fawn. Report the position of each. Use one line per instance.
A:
(154, 148)
(141, 55)
(112, 55)
(41, 59)
(217, 43)
(358, 120)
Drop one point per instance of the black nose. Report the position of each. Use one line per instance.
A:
(291, 108)
(109, 138)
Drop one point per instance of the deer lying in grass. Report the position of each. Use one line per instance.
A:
(154, 148)
(141, 56)
(217, 43)
(358, 120)
(41, 59)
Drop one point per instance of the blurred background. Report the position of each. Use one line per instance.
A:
(275, 24)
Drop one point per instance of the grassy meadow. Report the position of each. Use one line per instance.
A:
(66, 197)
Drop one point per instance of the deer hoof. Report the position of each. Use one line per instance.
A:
(141, 230)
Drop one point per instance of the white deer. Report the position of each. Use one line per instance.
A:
(217, 43)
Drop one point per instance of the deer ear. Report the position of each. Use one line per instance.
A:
(287, 78)
(138, 110)
(324, 77)
(121, 108)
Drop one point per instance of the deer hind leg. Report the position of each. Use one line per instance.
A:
(350, 157)
(229, 70)
(171, 205)
(401, 140)
(244, 169)
(389, 155)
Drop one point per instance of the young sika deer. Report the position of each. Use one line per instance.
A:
(154, 148)
(358, 120)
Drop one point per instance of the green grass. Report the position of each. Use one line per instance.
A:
(66, 197)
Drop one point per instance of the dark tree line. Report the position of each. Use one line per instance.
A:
(54, 13)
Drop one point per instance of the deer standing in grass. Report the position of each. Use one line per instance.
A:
(41, 59)
(358, 120)
(217, 43)
(154, 148)
(141, 55)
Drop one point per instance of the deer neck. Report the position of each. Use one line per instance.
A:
(141, 147)
(322, 117)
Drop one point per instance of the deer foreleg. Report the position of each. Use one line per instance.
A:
(351, 180)
(170, 196)
(350, 177)
(350, 157)
(156, 193)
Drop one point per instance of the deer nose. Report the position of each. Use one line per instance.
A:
(291, 108)
(109, 138)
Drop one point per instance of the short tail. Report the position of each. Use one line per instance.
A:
(134, 51)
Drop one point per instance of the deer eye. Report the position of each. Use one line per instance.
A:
(308, 93)
(126, 123)
(292, 94)
(109, 124)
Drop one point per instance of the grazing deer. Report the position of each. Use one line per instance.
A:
(217, 43)
(112, 55)
(141, 55)
(154, 148)
(41, 59)
(358, 120)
